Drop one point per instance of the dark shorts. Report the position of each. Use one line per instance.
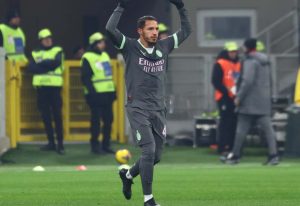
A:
(147, 125)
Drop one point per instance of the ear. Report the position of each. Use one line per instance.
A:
(140, 31)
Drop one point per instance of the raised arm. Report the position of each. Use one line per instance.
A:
(116, 36)
(185, 28)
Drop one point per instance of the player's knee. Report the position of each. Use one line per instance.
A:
(148, 151)
(157, 157)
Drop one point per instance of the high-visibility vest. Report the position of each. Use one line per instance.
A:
(102, 72)
(14, 43)
(297, 90)
(52, 78)
(231, 72)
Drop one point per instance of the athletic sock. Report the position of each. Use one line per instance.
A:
(147, 197)
(128, 175)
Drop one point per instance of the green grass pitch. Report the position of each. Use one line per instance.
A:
(185, 177)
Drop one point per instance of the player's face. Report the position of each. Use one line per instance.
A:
(150, 32)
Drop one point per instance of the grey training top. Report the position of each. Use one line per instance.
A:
(146, 73)
(254, 90)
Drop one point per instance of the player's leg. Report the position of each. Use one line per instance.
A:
(159, 133)
(141, 129)
(159, 145)
(158, 120)
(147, 186)
(146, 168)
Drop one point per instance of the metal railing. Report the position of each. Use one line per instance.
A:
(4, 141)
(2, 93)
(23, 119)
(285, 39)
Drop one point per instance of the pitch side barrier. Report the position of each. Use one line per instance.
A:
(23, 120)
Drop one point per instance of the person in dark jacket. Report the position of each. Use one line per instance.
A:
(47, 69)
(224, 78)
(97, 78)
(253, 102)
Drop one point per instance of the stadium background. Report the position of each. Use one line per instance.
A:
(203, 179)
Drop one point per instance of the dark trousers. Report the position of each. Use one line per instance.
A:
(105, 114)
(245, 121)
(49, 103)
(149, 130)
(227, 125)
(101, 107)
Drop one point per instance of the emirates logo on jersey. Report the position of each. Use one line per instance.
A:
(152, 67)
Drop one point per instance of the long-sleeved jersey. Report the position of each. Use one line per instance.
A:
(145, 74)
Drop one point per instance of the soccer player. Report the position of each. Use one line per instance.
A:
(146, 62)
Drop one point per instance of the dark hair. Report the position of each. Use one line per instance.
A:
(76, 49)
(250, 43)
(12, 13)
(142, 21)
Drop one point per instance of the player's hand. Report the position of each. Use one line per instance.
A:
(178, 3)
(123, 3)
(237, 102)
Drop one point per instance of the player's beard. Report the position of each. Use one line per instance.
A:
(150, 42)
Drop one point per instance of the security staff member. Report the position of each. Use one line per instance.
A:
(97, 78)
(12, 37)
(163, 31)
(260, 46)
(224, 78)
(47, 67)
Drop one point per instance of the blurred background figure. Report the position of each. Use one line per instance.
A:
(226, 71)
(12, 37)
(78, 52)
(260, 46)
(99, 88)
(47, 69)
(253, 101)
(163, 31)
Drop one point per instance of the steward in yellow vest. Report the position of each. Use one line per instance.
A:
(99, 89)
(47, 69)
(163, 31)
(12, 38)
(225, 74)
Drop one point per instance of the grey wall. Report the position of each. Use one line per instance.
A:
(267, 12)
(65, 18)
